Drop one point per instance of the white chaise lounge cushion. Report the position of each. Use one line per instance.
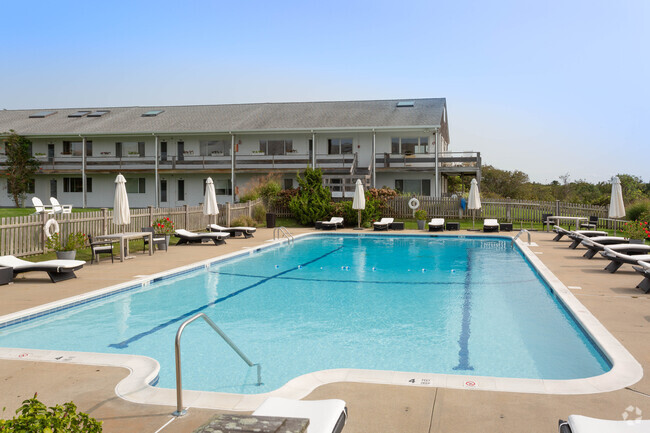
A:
(55, 265)
(322, 414)
(437, 222)
(585, 424)
(490, 223)
(626, 257)
(240, 228)
(187, 234)
(384, 221)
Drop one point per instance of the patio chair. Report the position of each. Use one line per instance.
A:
(436, 224)
(57, 270)
(100, 247)
(158, 240)
(643, 269)
(592, 223)
(186, 237)
(490, 225)
(545, 221)
(584, 424)
(60, 208)
(40, 208)
(618, 244)
(332, 224)
(247, 232)
(617, 259)
(325, 416)
(382, 224)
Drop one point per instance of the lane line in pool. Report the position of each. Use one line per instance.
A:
(463, 340)
(125, 343)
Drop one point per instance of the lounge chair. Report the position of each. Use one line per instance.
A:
(60, 208)
(490, 225)
(247, 232)
(197, 238)
(644, 269)
(40, 208)
(560, 232)
(436, 224)
(618, 259)
(332, 224)
(325, 416)
(618, 244)
(584, 424)
(578, 235)
(382, 224)
(57, 270)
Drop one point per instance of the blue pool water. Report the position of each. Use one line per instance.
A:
(471, 306)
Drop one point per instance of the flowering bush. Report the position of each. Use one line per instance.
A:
(636, 230)
(163, 226)
(74, 242)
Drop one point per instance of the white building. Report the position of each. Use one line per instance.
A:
(166, 153)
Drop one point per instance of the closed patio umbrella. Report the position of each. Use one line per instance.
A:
(616, 205)
(121, 212)
(474, 201)
(210, 206)
(359, 201)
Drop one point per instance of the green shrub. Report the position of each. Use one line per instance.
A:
(259, 213)
(639, 208)
(266, 187)
(243, 221)
(350, 216)
(420, 214)
(313, 201)
(35, 417)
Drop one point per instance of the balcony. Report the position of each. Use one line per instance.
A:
(449, 162)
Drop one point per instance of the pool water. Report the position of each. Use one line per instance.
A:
(471, 306)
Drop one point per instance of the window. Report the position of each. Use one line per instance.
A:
(41, 114)
(288, 184)
(152, 113)
(336, 146)
(79, 114)
(413, 186)
(31, 187)
(163, 190)
(181, 190)
(276, 147)
(135, 185)
(223, 187)
(99, 113)
(214, 148)
(75, 148)
(129, 148)
(74, 184)
(405, 104)
(409, 146)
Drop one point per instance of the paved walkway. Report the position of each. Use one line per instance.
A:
(624, 310)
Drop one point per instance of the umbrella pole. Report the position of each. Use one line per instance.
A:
(358, 227)
(473, 215)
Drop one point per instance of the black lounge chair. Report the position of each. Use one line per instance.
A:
(490, 225)
(158, 240)
(644, 269)
(324, 416)
(585, 424)
(579, 235)
(57, 270)
(560, 232)
(436, 224)
(332, 224)
(100, 247)
(247, 232)
(186, 237)
(618, 259)
(592, 223)
(382, 224)
(618, 244)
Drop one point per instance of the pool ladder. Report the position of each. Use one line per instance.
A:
(179, 386)
(519, 234)
(284, 232)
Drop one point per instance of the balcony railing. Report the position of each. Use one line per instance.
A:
(448, 161)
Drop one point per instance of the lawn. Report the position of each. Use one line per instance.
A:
(23, 211)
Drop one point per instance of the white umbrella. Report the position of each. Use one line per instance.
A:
(616, 205)
(359, 201)
(210, 201)
(474, 201)
(121, 212)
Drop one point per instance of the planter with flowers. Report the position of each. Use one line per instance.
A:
(636, 231)
(421, 217)
(164, 226)
(66, 250)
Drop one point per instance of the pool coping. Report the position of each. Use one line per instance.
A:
(138, 386)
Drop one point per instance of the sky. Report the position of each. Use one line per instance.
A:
(549, 88)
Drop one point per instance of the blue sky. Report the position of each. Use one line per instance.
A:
(548, 88)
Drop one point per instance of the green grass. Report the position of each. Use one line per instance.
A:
(24, 211)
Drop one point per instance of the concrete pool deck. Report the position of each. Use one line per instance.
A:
(612, 298)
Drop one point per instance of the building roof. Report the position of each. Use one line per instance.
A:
(263, 117)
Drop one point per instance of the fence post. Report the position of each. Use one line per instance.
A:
(508, 213)
(43, 235)
(187, 216)
(557, 207)
(104, 221)
(150, 216)
(250, 209)
(228, 214)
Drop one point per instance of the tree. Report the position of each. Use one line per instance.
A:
(502, 183)
(313, 202)
(20, 167)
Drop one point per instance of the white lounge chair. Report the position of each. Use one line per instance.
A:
(643, 269)
(436, 224)
(197, 238)
(383, 224)
(594, 245)
(60, 208)
(490, 225)
(618, 259)
(332, 224)
(585, 424)
(325, 416)
(57, 270)
(40, 208)
(247, 232)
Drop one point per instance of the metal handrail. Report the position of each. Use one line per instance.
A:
(519, 234)
(285, 233)
(179, 386)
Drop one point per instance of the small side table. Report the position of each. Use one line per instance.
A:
(452, 226)
(6, 275)
(397, 226)
(505, 227)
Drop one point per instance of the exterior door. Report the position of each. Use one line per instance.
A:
(163, 190)
(50, 154)
(53, 188)
(180, 151)
(311, 151)
(163, 151)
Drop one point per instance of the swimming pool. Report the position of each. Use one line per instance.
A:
(467, 306)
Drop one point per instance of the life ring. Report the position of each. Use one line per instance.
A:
(48, 224)
(414, 203)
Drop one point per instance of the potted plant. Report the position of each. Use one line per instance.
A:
(164, 226)
(636, 231)
(66, 250)
(421, 217)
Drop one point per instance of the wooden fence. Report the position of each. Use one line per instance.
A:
(24, 235)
